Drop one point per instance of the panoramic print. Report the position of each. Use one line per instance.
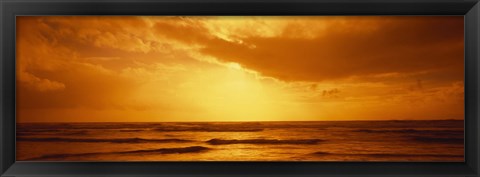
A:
(240, 88)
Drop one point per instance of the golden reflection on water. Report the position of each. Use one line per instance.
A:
(298, 141)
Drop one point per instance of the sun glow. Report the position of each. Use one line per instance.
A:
(235, 93)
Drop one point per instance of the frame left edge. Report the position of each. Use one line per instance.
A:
(7, 92)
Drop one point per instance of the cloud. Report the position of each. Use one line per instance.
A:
(40, 84)
(330, 93)
(413, 44)
(312, 49)
(330, 48)
(52, 74)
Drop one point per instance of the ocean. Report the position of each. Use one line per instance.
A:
(390, 141)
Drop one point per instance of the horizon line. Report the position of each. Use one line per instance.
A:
(246, 121)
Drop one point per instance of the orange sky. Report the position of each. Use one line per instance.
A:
(239, 68)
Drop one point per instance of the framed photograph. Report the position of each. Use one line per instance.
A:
(240, 88)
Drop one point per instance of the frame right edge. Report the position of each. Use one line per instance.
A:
(472, 92)
(2, 139)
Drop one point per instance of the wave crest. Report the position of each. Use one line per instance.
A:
(120, 140)
(410, 131)
(190, 149)
(263, 141)
(437, 140)
(208, 129)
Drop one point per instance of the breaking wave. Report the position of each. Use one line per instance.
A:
(208, 129)
(263, 141)
(410, 131)
(388, 155)
(121, 140)
(437, 140)
(191, 149)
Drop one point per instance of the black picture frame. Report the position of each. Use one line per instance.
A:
(9, 9)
